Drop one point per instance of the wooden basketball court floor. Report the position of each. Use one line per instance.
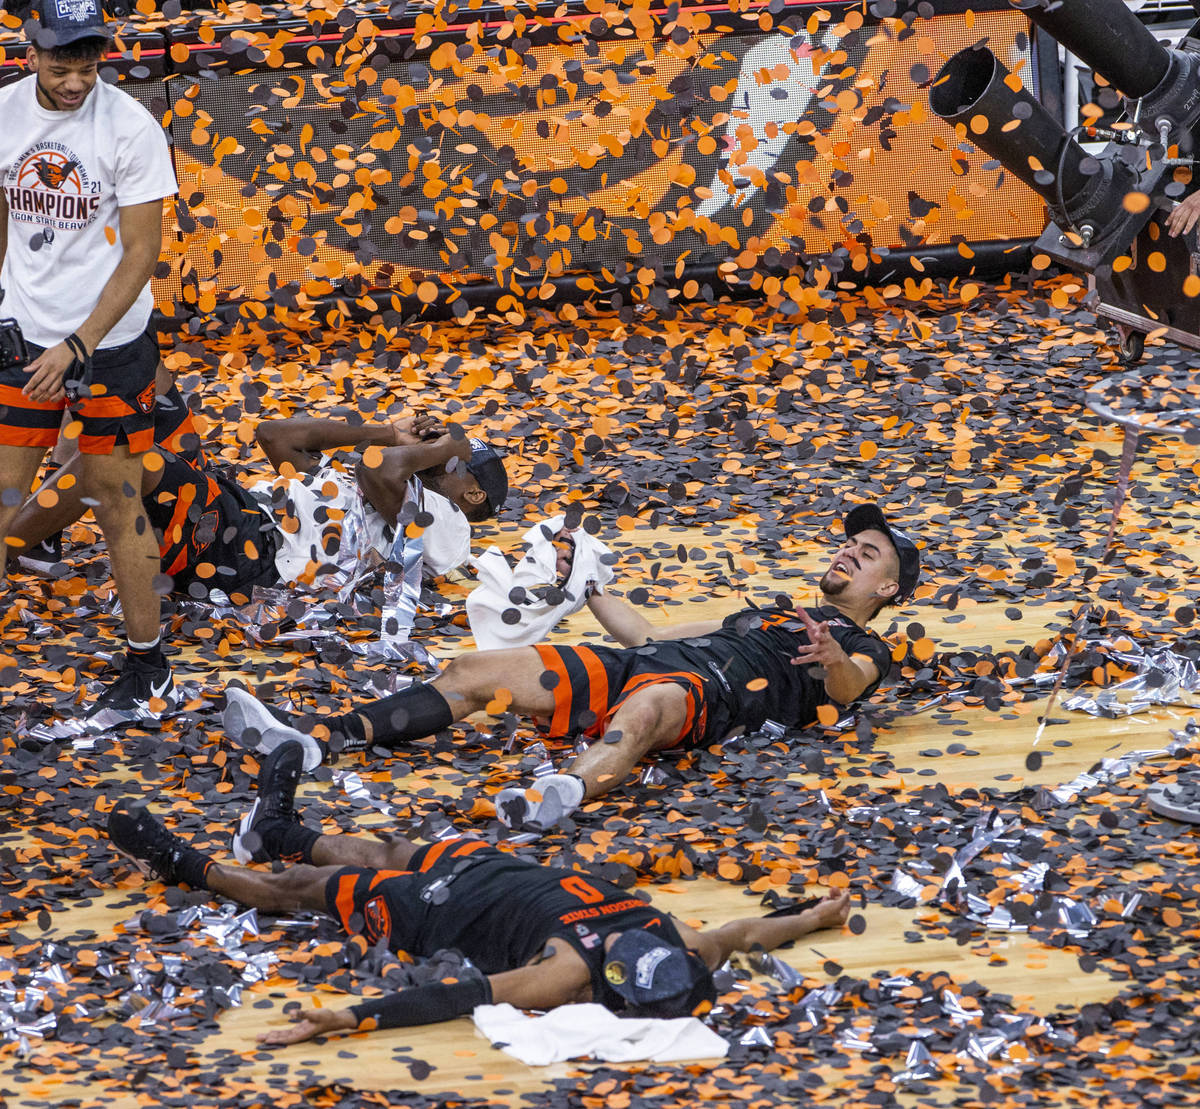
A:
(465, 1065)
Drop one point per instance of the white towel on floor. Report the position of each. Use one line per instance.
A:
(542, 601)
(581, 1031)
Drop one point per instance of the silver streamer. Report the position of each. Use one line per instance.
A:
(84, 733)
(1162, 677)
(766, 963)
(355, 788)
(919, 1065)
(1111, 769)
(990, 832)
(295, 613)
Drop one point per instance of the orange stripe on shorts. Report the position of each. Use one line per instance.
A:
(560, 722)
(12, 397)
(345, 899)
(457, 847)
(597, 681)
(384, 875)
(28, 436)
(693, 691)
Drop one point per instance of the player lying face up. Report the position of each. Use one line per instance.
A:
(690, 685)
(540, 936)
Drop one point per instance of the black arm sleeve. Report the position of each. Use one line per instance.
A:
(427, 1004)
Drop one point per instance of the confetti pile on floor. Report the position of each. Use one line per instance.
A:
(959, 409)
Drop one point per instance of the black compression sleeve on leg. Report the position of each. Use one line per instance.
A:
(413, 713)
(427, 1004)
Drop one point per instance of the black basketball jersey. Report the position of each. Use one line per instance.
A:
(749, 661)
(500, 911)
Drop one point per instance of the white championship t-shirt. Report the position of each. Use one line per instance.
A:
(320, 511)
(65, 174)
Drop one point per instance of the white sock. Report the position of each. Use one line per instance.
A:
(145, 646)
(569, 788)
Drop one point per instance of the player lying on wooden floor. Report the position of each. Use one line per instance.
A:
(691, 685)
(541, 936)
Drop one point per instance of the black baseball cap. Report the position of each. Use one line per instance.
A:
(657, 978)
(869, 517)
(485, 467)
(62, 22)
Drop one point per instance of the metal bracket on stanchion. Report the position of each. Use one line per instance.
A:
(1165, 421)
(1177, 800)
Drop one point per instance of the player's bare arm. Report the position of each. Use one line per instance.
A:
(631, 629)
(300, 441)
(846, 676)
(384, 482)
(767, 933)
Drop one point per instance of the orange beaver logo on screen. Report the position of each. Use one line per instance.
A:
(788, 142)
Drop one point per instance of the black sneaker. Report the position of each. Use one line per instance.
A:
(140, 695)
(274, 805)
(43, 557)
(146, 843)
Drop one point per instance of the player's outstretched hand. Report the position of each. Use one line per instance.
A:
(310, 1023)
(1184, 216)
(832, 911)
(821, 649)
(402, 432)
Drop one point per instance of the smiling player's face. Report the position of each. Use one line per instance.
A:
(864, 567)
(62, 85)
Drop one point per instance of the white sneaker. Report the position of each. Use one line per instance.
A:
(263, 729)
(561, 795)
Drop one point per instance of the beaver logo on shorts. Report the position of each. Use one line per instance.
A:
(145, 399)
(377, 920)
(206, 529)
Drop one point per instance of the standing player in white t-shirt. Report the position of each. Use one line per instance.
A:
(84, 170)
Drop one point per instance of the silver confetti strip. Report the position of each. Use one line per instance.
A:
(1113, 768)
(757, 1037)
(1163, 677)
(816, 1004)
(988, 829)
(159, 996)
(953, 1008)
(354, 788)
(906, 886)
(919, 1065)
(981, 1048)
(42, 1027)
(1013, 1026)
(401, 595)
(856, 1039)
(766, 963)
